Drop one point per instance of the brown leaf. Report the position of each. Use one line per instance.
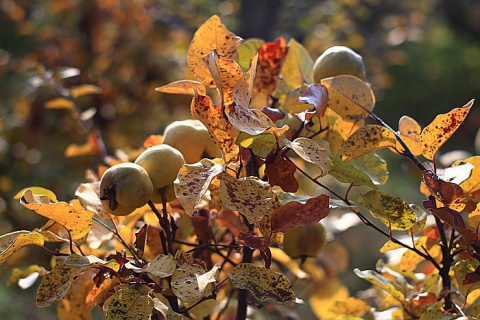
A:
(443, 191)
(295, 214)
(281, 172)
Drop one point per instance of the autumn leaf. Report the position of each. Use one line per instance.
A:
(14, 241)
(295, 214)
(60, 103)
(394, 212)
(189, 87)
(310, 151)
(270, 58)
(250, 196)
(38, 191)
(251, 121)
(247, 50)
(374, 166)
(190, 282)
(316, 95)
(221, 130)
(346, 173)
(75, 260)
(162, 266)
(84, 89)
(443, 191)
(128, 303)
(297, 67)
(281, 172)
(55, 284)
(410, 131)
(73, 306)
(350, 97)
(461, 269)
(325, 295)
(263, 284)
(211, 35)
(25, 277)
(242, 90)
(339, 131)
(389, 285)
(261, 145)
(167, 312)
(192, 182)
(471, 185)
(441, 129)
(367, 139)
(78, 223)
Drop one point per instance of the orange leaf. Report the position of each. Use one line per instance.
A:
(367, 139)
(270, 57)
(183, 87)
(441, 129)
(409, 131)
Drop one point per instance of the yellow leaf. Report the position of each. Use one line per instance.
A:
(326, 294)
(474, 217)
(220, 129)
(263, 283)
(73, 306)
(339, 131)
(389, 285)
(346, 173)
(193, 181)
(250, 196)
(212, 35)
(242, 91)
(351, 307)
(75, 260)
(84, 90)
(78, 223)
(367, 139)
(441, 129)
(374, 166)
(14, 241)
(19, 275)
(183, 87)
(297, 67)
(350, 97)
(55, 284)
(410, 131)
(60, 103)
(410, 260)
(394, 212)
(460, 270)
(128, 304)
(38, 191)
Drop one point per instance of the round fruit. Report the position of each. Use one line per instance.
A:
(305, 241)
(169, 194)
(162, 163)
(338, 60)
(192, 139)
(124, 187)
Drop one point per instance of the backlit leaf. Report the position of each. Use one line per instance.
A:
(374, 166)
(246, 50)
(73, 306)
(339, 131)
(192, 182)
(261, 145)
(167, 313)
(78, 223)
(212, 35)
(316, 95)
(60, 103)
(14, 241)
(350, 97)
(410, 131)
(250, 196)
(295, 214)
(394, 212)
(461, 269)
(190, 282)
(389, 285)
(310, 151)
(471, 186)
(367, 139)
(281, 172)
(263, 284)
(221, 130)
(251, 121)
(183, 87)
(326, 294)
(474, 217)
(55, 284)
(351, 307)
(270, 58)
(345, 172)
(297, 67)
(226, 73)
(441, 129)
(242, 90)
(84, 89)
(75, 260)
(410, 260)
(128, 304)
(162, 266)
(443, 191)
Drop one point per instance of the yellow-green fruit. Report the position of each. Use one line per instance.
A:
(169, 192)
(162, 163)
(124, 187)
(192, 139)
(305, 241)
(336, 61)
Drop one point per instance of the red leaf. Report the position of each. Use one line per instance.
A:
(295, 214)
(472, 277)
(443, 191)
(270, 58)
(141, 238)
(281, 172)
(273, 114)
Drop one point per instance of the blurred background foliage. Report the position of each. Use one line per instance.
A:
(422, 58)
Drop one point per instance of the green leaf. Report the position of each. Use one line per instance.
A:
(14, 241)
(128, 304)
(261, 145)
(55, 284)
(346, 173)
(374, 166)
(246, 50)
(461, 269)
(263, 284)
(192, 182)
(250, 196)
(394, 212)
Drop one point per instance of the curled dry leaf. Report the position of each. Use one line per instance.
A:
(183, 87)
